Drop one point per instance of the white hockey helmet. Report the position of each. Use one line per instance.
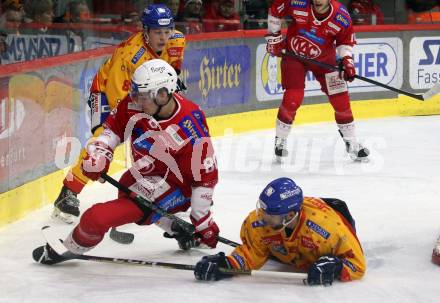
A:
(153, 75)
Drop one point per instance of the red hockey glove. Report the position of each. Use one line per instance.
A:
(346, 69)
(275, 44)
(97, 161)
(206, 230)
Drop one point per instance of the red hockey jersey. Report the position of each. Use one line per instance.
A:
(310, 37)
(178, 149)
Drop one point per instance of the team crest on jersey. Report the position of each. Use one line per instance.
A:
(298, 3)
(138, 55)
(318, 229)
(303, 46)
(342, 20)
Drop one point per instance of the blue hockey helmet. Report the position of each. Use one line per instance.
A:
(280, 197)
(157, 16)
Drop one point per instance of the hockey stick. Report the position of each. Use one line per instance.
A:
(429, 94)
(67, 255)
(121, 236)
(186, 226)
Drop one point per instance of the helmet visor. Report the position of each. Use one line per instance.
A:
(159, 97)
(276, 222)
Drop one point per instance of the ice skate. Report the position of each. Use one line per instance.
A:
(47, 255)
(66, 206)
(280, 149)
(356, 151)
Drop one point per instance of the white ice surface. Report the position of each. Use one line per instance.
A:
(394, 199)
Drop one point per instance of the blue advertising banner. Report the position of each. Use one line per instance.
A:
(218, 77)
(28, 47)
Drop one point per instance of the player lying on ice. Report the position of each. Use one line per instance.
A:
(316, 235)
(173, 164)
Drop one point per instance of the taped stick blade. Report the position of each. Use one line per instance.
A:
(432, 92)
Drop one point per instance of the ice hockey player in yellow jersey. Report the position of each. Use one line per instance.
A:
(112, 82)
(314, 235)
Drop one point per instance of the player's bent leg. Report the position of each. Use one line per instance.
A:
(97, 220)
(66, 206)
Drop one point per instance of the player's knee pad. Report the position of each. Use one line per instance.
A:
(94, 221)
(292, 100)
(100, 109)
(341, 105)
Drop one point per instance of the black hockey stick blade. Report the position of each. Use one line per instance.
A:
(120, 236)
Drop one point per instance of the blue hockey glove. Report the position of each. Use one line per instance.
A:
(208, 268)
(324, 271)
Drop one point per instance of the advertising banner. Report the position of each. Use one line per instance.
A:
(380, 59)
(28, 47)
(218, 77)
(424, 62)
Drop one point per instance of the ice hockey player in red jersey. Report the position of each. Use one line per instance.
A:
(320, 30)
(316, 235)
(436, 253)
(173, 164)
(111, 84)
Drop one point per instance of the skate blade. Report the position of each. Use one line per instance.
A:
(360, 160)
(63, 217)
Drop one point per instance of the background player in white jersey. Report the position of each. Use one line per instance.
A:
(320, 30)
(173, 164)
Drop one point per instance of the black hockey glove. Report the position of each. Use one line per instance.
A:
(185, 240)
(208, 268)
(324, 271)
